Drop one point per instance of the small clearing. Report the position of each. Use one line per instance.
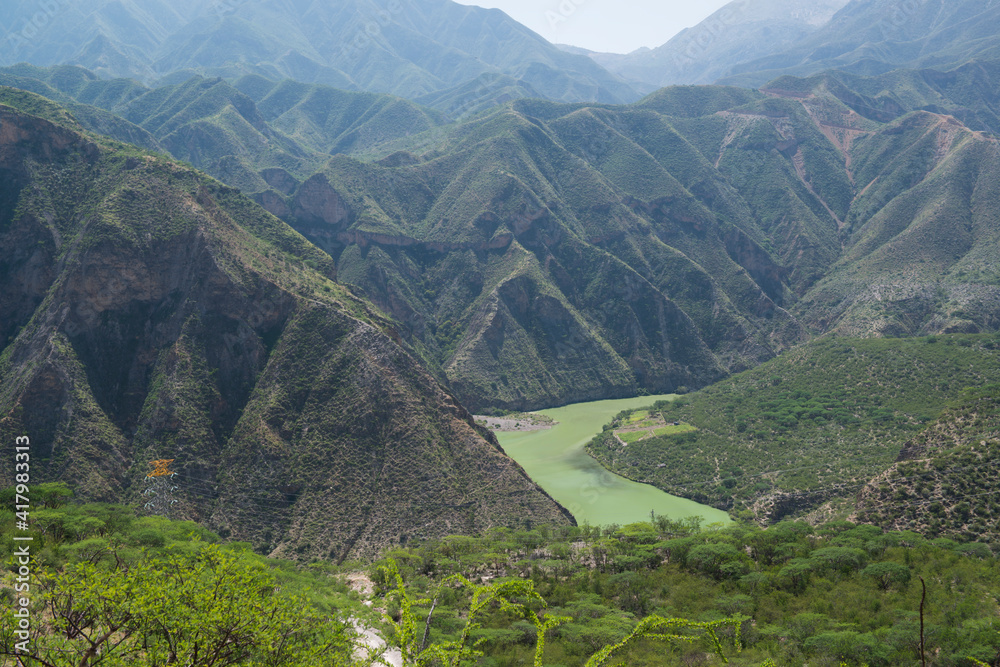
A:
(642, 425)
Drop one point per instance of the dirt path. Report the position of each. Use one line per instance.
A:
(370, 638)
(392, 657)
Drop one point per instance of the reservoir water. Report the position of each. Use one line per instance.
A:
(556, 460)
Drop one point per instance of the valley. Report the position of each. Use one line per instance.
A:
(683, 357)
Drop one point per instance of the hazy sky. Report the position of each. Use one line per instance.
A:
(617, 26)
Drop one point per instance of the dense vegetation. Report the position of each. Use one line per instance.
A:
(946, 486)
(835, 594)
(109, 588)
(814, 424)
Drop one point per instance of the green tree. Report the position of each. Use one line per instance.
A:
(209, 607)
(887, 574)
(513, 597)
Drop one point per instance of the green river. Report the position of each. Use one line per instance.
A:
(556, 460)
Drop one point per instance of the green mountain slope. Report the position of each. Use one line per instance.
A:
(553, 253)
(330, 121)
(149, 312)
(946, 481)
(252, 134)
(923, 232)
(814, 424)
(969, 92)
(752, 214)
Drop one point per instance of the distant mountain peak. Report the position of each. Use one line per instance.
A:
(739, 31)
(409, 49)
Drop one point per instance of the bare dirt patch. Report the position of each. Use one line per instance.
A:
(521, 421)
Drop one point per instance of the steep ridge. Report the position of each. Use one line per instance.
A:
(149, 312)
(552, 246)
(540, 253)
(969, 92)
(923, 235)
(739, 208)
(247, 133)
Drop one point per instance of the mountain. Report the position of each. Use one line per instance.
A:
(873, 37)
(752, 217)
(545, 253)
(409, 49)
(970, 92)
(149, 312)
(742, 31)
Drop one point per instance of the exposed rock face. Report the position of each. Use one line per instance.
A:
(149, 313)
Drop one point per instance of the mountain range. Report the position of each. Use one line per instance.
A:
(415, 210)
(751, 42)
(876, 36)
(783, 206)
(739, 32)
(413, 49)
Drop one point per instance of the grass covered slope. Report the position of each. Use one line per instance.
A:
(923, 234)
(149, 312)
(946, 484)
(252, 133)
(815, 423)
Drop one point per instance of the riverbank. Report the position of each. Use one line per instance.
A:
(521, 421)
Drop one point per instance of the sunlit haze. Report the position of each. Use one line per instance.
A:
(616, 26)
